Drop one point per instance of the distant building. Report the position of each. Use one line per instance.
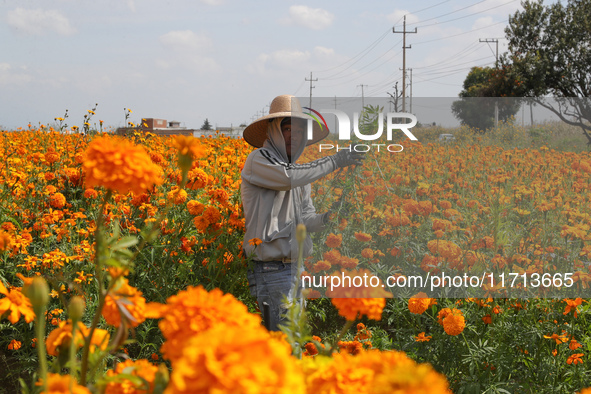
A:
(161, 127)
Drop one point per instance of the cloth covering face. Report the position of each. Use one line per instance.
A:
(276, 196)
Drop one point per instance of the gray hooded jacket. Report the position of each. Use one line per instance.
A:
(276, 196)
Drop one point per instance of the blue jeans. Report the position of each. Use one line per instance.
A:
(271, 282)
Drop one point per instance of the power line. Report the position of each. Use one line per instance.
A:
(467, 16)
(459, 34)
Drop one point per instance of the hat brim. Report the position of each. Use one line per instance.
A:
(256, 133)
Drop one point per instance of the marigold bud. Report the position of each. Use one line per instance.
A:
(76, 308)
(38, 292)
(301, 233)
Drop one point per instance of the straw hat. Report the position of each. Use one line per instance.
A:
(282, 106)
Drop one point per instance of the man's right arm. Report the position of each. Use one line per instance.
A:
(266, 170)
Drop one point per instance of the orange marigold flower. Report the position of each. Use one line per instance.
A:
(351, 308)
(574, 345)
(177, 196)
(197, 179)
(14, 345)
(371, 372)
(363, 237)
(255, 242)
(190, 146)
(128, 299)
(575, 359)
(5, 241)
(15, 304)
(195, 310)
(419, 303)
(57, 200)
(142, 369)
(351, 347)
(220, 361)
(322, 265)
(90, 193)
(334, 241)
(454, 323)
(60, 339)
(358, 292)
(62, 384)
(487, 319)
(119, 165)
(195, 207)
(571, 305)
(422, 338)
(558, 338)
(311, 349)
(367, 253)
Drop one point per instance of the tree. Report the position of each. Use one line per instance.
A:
(550, 53)
(482, 87)
(206, 125)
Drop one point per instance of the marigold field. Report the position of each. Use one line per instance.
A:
(122, 270)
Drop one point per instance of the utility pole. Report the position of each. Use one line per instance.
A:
(495, 40)
(362, 97)
(311, 87)
(404, 48)
(410, 69)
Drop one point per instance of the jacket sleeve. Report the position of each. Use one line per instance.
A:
(266, 170)
(313, 221)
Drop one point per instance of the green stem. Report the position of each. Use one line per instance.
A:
(42, 354)
(101, 293)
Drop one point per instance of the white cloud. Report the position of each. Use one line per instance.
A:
(398, 15)
(312, 18)
(185, 40)
(39, 22)
(284, 59)
(212, 2)
(187, 49)
(10, 77)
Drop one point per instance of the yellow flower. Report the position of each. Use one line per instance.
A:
(232, 359)
(119, 165)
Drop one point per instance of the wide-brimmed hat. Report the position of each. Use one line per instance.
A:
(281, 107)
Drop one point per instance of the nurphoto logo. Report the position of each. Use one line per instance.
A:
(394, 121)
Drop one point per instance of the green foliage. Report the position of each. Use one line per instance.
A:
(482, 86)
(206, 125)
(550, 54)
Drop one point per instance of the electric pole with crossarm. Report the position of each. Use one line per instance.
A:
(404, 48)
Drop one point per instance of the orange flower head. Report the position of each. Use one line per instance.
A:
(219, 360)
(15, 305)
(419, 303)
(195, 310)
(119, 165)
(128, 299)
(334, 241)
(454, 323)
(62, 384)
(144, 370)
(57, 201)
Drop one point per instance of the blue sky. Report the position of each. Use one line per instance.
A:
(225, 60)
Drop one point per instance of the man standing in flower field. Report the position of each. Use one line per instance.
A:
(276, 196)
